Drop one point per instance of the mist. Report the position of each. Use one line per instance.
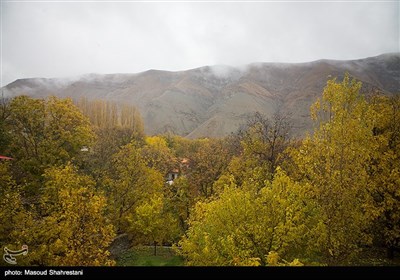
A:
(64, 39)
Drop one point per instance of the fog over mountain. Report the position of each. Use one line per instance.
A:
(213, 101)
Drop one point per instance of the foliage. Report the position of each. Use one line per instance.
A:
(16, 221)
(157, 154)
(206, 165)
(48, 132)
(333, 163)
(261, 145)
(257, 197)
(43, 133)
(129, 184)
(73, 230)
(115, 125)
(154, 223)
(265, 139)
(179, 199)
(241, 228)
(109, 114)
(384, 171)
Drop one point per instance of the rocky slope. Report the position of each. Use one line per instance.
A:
(214, 101)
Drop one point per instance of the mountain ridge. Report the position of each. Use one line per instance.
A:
(213, 101)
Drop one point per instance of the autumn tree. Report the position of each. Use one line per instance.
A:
(384, 172)
(181, 147)
(16, 220)
(71, 228)
(157, 154)
(265, 139)
(179, 200)
(50, 131)
(115, 125)
(4, 113)
(43, 133)
(334, 163)
(257, 149)
(206, 165)
(106, 113)
(153, 223)
(129, 183)
(241, 227)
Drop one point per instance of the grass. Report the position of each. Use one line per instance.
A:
(144, 256)
(377, 257)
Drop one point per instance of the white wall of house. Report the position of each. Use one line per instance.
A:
(172, 176)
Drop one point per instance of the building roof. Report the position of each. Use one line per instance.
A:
(6, 158)
(185, 160)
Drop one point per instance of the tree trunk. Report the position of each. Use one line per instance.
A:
(390, 252)
(155, 248)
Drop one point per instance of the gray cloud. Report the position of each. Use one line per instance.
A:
(68, 39)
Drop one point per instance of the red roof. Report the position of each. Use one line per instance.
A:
(6, 158)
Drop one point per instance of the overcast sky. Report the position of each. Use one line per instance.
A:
(69, 39)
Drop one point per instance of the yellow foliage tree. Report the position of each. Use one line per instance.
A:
(333, 164)
(384, 171)
(241, 227)
(73, 229)
(158, 155)
(206, 165)
(115, 125)
(16, 221)
(154, 223)
(179, 199)
(43, 133)
(49, 131)
(130, 182)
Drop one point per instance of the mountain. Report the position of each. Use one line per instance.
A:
(213, 101)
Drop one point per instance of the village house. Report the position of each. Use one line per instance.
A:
(183, 165)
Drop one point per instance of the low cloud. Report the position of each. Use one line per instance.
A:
(69, 39)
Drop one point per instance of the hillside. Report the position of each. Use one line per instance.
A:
(213, 101)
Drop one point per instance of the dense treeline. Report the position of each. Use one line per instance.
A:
(83, 174)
